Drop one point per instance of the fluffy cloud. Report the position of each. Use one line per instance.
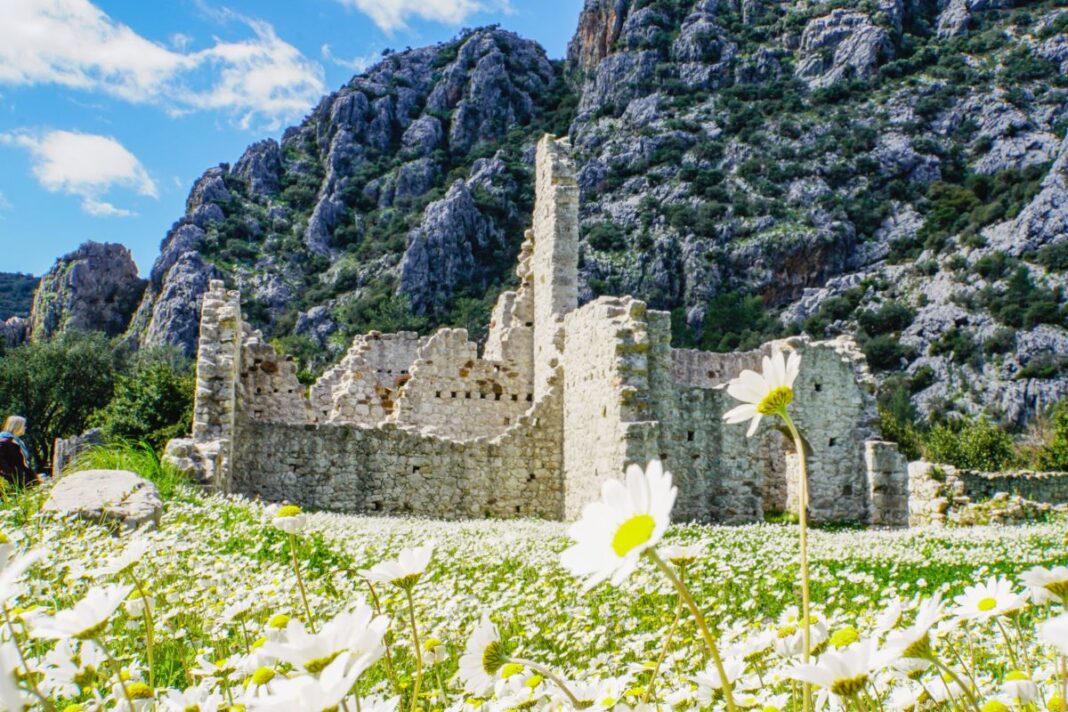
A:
(391, 15)
(73, 43)
(84, 165)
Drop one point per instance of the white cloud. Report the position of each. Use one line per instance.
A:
(5, 204)
(73, 43)
(84, 165)
(392, 15)
(356, 64)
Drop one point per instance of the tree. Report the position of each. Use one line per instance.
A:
(56, 385)
(153, 402)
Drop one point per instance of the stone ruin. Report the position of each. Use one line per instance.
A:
(561, 398)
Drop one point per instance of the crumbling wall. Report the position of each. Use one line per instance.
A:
(454, 393)
(943, 494)
(393, 470)
(556, 248)
(207, 455)
(362, 389)
(269, 389)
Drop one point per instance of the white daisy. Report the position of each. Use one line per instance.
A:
(682, 555)
(315, 694)
(915, 641)
(1054, 632)
(628, 520)
(290, 519)
(86, 619)
(765, 393)
(987, 600)
(199, 697)
(842, 672)
(1045, 585)
(709, 680)
(1019, 688)
(404, 571)
(482, 659)
(358, 631)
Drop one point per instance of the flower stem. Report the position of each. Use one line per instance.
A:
(684, 593)
(665, 649)
(389, 648)
(549, 674)
(118, 672)
(956, 678)
(418, 649)
(802, 518)
(300, 582)
(22, 656)
(150, 640)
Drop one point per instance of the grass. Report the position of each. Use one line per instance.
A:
(139, 458)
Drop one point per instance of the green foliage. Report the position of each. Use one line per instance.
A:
(890, 317)
(1053, 455)
(153, 401)
(56, 385)
(732, 321)
(958, 345)
(1043, 366)
(1022, 303)
(1001, 341)
(606, 237)
(16, 294)
(140, 458)
(886, 353)
(973, 443)
(1054, 257)
(965, 208)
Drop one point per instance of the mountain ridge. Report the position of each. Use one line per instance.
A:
(894, 170)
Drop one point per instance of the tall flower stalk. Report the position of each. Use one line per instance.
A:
(291, 520)
(770, 393)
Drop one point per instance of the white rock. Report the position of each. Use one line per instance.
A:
(107, 496)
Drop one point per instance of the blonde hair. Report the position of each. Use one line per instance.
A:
(16, 425)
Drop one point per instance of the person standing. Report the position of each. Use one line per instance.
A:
(14, 455)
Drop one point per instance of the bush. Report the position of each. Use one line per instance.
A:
(1054, 454)
(56, 385)
(606, 237)
(152, 403)
(885, 353)
(972, 443)
(892, 316)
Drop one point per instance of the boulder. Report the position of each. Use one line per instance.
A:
(107, 496)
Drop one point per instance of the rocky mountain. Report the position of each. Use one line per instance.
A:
(895, 169)
(96, 288)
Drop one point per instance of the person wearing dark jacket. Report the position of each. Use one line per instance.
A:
(14, 455)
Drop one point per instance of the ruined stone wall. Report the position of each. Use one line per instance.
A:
(556, 248)
(606, 416)
(943, 494)
(455, 394)
(269, 389)
(362, 389)
(392, 470)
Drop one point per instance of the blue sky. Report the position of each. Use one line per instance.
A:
(109, 110)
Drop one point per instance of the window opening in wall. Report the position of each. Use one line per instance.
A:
(415, 469)
(847, 491)
(467, 395)
(689, 436)
(530, 477)
(831, 442)
(818, 387)
(507, 421)
(454, 394)
(437, 394)
(530, 397)
(515, 397)
(663, 457)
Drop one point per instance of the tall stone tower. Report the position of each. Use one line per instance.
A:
(555, 260)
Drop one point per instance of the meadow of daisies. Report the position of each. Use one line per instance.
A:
(236, 605)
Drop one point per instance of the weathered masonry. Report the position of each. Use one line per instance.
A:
(561, 398)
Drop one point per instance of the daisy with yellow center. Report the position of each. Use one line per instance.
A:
(628, 520)
(765, 393)
(988, 600)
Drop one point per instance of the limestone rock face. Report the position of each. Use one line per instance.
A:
(107, 496)
(261, 166)
(94, 288)
(841, 45)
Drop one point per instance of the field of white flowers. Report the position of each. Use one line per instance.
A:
(231, 605)
(224, 602)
